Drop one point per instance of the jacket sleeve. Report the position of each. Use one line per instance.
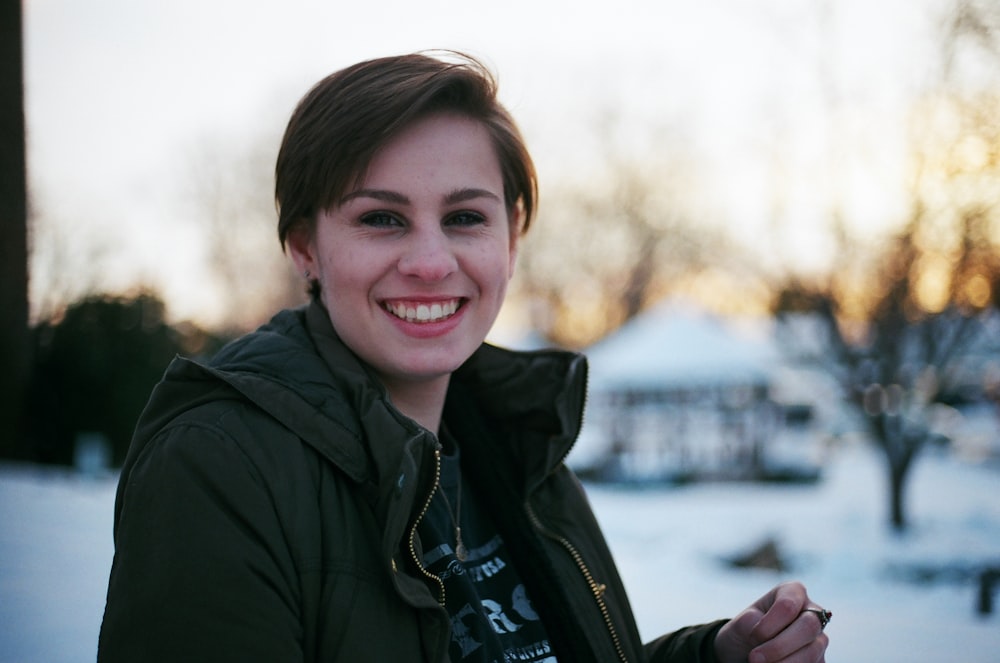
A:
(692, 644)
(201, 569)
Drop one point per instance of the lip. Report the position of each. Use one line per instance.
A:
(423, 311)
(424, 317)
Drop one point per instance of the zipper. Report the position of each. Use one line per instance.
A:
(413, 529)
(596, 588)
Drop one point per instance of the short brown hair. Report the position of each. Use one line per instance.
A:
(341, 123)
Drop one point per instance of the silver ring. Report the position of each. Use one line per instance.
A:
(824, 616)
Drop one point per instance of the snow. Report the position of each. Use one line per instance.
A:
(55, 553)
(644, 351)
(670, 545)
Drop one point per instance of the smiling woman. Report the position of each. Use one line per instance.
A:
(364, 479)
(426, 233)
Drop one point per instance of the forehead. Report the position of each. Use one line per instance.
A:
(438, 145)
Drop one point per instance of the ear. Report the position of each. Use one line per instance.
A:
(302, 248)
(515, 237)
(512, 259)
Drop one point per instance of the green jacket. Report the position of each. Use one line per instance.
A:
(267, 510)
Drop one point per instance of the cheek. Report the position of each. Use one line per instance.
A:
(345, 267)
(343, 283)
(494, 269)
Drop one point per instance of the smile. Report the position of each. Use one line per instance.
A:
(423, 312)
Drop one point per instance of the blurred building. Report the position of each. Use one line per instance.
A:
(679, 394)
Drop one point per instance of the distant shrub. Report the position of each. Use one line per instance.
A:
(94, 368)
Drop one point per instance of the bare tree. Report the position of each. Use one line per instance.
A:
(901, 321)
(13, 229)
(607, 246)
(233, 205)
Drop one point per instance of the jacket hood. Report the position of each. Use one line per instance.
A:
(297, 370)
(540, 395)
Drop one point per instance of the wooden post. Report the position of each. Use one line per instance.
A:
(988, 577)
(14, 339)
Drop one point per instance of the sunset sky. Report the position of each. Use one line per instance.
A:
(122, 95)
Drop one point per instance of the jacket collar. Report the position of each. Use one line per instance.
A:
(534, 401)
(298, 370)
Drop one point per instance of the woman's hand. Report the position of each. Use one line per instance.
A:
(783, 626)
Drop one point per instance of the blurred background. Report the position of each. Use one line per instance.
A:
(772, 225)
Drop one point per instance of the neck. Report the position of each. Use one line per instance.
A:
(421, 401)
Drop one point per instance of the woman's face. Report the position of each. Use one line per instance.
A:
(414, 262)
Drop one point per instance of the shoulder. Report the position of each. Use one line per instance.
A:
(229, 434)
(220, 456)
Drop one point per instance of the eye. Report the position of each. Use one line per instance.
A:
(465, 218)
(380, 220)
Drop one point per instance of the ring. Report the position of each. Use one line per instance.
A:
(824, 616)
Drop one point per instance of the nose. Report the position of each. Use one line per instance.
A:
(428, 256)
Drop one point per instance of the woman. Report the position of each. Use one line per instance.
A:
(364, 479)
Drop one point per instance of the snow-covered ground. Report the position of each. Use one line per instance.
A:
(55, 552)
(670, 545)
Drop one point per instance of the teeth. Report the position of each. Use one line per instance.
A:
(423, 312)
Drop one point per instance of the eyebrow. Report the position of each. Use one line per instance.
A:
(462, 195)
(456, 196)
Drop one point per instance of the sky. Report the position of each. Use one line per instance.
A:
(124, 97)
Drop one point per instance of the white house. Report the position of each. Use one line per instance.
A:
(680, 394)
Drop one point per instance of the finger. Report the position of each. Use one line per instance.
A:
(743, 626)
(803, 641)
(814, 652)
(733, 641)
(785, 607)
(823, 616)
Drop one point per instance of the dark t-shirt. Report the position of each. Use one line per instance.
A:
(492, 620)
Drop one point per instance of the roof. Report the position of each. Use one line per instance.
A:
(677, 344)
